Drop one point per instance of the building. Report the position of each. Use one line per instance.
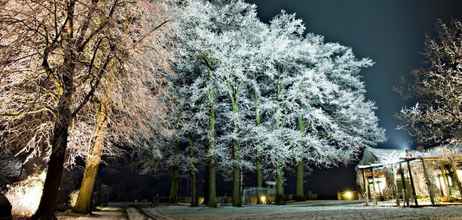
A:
(411, 177)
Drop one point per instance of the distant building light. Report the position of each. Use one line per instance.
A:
(348, 195)
(263, 199)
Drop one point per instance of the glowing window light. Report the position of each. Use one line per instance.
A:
(348, 195)
(380, 183)
(201, 200)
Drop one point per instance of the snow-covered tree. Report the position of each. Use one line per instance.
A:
(436, 117)
(268, 92)
(320, 114)
(54, 58)
(197, 83)
(216, 52)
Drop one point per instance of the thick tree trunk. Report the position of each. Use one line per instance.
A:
(47, 204)
(279, 185)
(194, 199)
(237, 187)
(93, 161)
(174, 184)
(300, 195)
(58, 140)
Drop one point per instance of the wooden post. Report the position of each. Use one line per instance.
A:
(428, 182)
(403, 181)
(395, 186)
(412, 183)
(445, 179)
(375, 187)
(365, 186)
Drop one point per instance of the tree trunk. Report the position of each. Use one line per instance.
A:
(236, 158)
(300, 194)
(237, 186)
(258, 165)
(194, 199)
(279, 185)
(212, 188)
(205, 187)
(174, 184)
(258, 171)
(58, 141)
(93, 161)
(47, 204)
(299, 185)
(193, 174)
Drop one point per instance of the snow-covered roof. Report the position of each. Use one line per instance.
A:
(381, 156)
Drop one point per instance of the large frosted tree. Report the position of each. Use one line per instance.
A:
(278, 95)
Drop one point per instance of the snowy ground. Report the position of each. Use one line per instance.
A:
(105, 214)
(315, 210)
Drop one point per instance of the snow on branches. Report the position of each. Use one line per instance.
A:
(436, 118)
(272, 91)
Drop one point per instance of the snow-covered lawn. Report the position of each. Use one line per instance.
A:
(105, 214)
(308, 211)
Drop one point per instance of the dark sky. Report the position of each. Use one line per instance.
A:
(391, 32)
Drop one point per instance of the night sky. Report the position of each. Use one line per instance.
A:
(391, 32)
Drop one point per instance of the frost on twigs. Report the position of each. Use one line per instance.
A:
(435, 118)
(274, 93)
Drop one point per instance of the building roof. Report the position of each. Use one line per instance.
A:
(380, 156)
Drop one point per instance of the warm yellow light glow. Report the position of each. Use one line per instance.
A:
(25, 195)
(263, 199)
(73, 198)
(201, 200)
(348, 195)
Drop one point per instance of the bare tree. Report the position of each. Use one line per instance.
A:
(437, 116)
(129, 111)
(436, 119)
(54, 55)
